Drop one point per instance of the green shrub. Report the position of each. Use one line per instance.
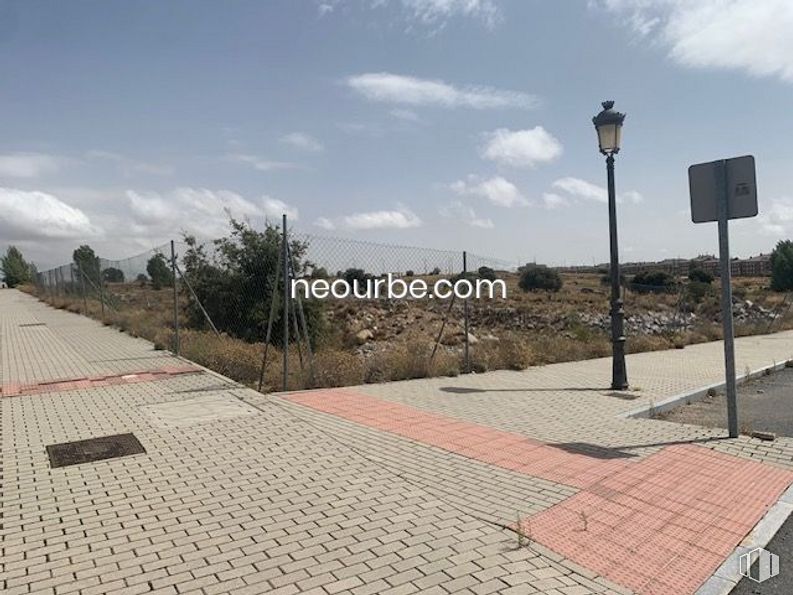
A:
(351, 275)
(487, 273)
(700, 276)
(538, 277)
(697, 291)
(652, 281)
(236, 285)
(113, 275)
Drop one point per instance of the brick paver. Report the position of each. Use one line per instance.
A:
(400, 488)
(659, 524)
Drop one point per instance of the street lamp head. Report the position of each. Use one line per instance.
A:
(608, 124)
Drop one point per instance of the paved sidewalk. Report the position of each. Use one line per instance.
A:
(393, 488)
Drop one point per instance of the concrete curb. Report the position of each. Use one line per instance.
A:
(647, 411)
(727, 576)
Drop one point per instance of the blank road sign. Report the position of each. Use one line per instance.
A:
(741, 189)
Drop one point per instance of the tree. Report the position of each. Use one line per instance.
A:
(538, 277)
(236, 284)
(700, 276)
(113, 275)
(435, 271)
(16, 270)
(782, 266)
(87, 262)
(159, 272)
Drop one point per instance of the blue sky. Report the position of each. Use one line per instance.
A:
(460, 124)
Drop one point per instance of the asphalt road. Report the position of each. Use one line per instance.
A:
(765, 403)
(772, 410)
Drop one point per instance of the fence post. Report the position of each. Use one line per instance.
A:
(175, 300)
(285, 266)
(101, 293)
(467, 367)
(82, 290)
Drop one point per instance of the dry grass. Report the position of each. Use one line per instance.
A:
(144, 312)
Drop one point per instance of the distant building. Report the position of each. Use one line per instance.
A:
(754, 266)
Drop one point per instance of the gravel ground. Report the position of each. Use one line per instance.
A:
(764, 404)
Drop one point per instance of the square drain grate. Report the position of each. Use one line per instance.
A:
(94, 449)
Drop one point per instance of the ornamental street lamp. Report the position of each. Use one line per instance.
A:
(608, 124)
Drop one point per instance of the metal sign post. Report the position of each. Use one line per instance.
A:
(720, 177)
(720, 191)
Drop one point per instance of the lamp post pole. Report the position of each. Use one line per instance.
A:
(608, 124)
(619, 375)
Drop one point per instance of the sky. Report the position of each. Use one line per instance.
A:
(451, 124)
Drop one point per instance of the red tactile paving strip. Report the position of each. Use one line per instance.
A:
(15, 390)
(658, 525)
(666, 523)
(489, 445)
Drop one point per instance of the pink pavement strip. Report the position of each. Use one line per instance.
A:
(662, 524)
(14, 390)
(489, 445)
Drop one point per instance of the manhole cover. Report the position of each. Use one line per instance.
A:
(94, 449)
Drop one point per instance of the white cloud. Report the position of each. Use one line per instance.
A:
(303, 141)
(260, 163)
(394, 88)
(749, 35)
(324, 223)
(521, 148)
(28, 165)
(461, 212)
(200, 211)
(631, 196)
(401, 218)
(32, 214)
(275, 209)
(497, 190)
(325, 8)
(581, 188)
(777, 219)
(434, 12)
(554, 201)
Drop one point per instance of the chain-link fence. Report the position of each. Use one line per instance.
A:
(226, 304)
